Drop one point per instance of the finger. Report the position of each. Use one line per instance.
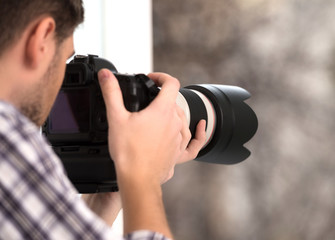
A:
(169, 87)
(185, 131)
(169, 176)
(195, 144)
(111, 92)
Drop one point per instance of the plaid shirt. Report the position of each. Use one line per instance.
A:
(37, 201)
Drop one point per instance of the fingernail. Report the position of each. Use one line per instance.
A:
(103, 75)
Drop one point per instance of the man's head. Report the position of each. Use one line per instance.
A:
(15, 15)
(36, 40)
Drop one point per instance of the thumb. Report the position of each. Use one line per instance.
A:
(111, 92)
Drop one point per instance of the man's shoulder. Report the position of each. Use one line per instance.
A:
(11, 117)
(17, 133)
(21, 143)
(7, 109)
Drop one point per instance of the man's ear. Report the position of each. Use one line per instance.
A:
(40, 42)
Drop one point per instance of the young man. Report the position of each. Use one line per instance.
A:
(37, 201)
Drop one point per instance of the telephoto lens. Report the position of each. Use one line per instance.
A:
(230, 121)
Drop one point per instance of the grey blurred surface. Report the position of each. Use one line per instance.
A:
(283, 52)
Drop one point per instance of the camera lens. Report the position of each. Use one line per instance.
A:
(230, 121)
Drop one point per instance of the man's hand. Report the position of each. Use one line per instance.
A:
(150, 142)
(145, 147)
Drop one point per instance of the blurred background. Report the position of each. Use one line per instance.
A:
(283, 53)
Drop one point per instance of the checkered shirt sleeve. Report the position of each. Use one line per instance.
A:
(37, 201)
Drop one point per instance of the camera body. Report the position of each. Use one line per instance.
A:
(77, 125)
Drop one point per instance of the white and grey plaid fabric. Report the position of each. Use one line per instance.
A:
(37, 201)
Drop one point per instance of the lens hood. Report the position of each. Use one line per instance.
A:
(236, 124)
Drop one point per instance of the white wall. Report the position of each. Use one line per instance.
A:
(120, 31)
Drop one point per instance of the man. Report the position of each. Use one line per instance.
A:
(37, 201)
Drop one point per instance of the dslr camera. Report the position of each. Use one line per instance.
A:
(77, 126)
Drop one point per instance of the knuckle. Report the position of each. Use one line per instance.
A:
(179, 125)
(176, 82)
(188, 135)
(194, 154)
(180, 111)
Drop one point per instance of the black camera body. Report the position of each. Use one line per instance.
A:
(77, 126)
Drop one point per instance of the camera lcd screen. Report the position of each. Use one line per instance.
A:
(70, 112)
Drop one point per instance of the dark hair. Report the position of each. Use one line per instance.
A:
(15, 15)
